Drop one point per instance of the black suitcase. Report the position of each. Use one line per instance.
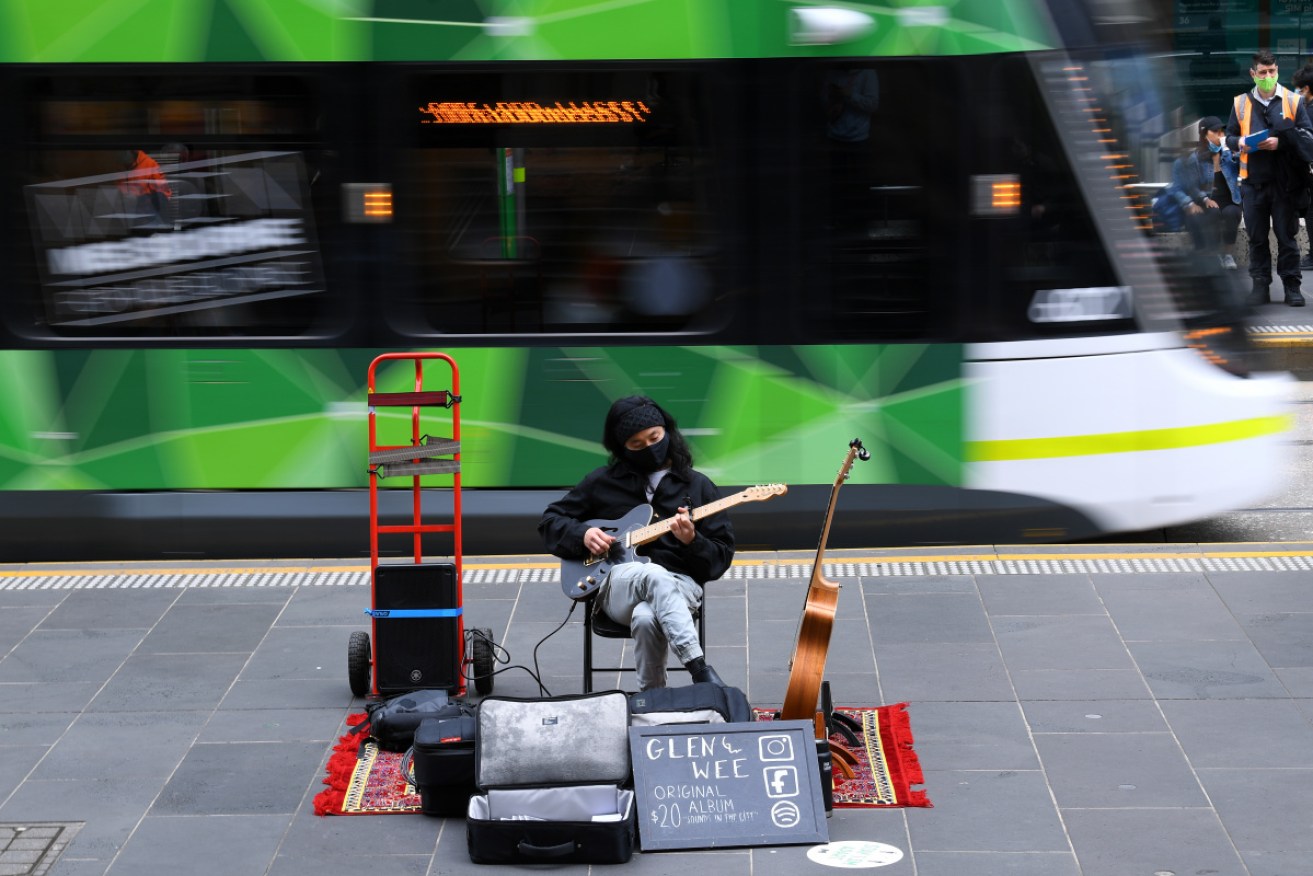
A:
(698, 703)
(551, 775)
(443, 757)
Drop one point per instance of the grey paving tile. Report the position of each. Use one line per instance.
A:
(1116, 842)
(1038, 594)
(127, 744)
(1247, 593)
(925, 619)
(730, 862)
(1094, 716)
(283, 693)
(57, 696)
(961, 671)
(195, 629)
(972, 736)
(33, 727)
(779, 599)
(16, 762)
(1242, 733)
(996, 864)
(242, 778)
(325, 606)
(1205, 670)
(1171, 615)
(1111, 582)
(1117, 770)
(993, 811)
(60, 655)
(902, 585)
(1298, 680)
(1060, 642)
(169, 681)
(303, 653)
(1061, 684)
(1276, 863)
(28, 598)
(108, 609)
(168, 846)
(274, 725)
(1263, 810)
(194, 596)
(110, 807)
(1283, 638)
(380, 861)
(16, 622)
(326, 839)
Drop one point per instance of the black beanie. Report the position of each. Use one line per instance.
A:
(635, 420)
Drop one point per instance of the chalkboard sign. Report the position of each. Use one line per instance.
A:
(706, 786)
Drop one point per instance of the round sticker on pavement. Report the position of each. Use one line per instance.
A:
(855, 854)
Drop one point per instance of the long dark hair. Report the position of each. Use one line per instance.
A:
(681, 458)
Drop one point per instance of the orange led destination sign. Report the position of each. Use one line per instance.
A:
(528, 112)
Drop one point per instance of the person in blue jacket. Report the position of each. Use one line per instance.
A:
(1204, 196)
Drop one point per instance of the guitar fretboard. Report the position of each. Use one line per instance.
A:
(653, 531)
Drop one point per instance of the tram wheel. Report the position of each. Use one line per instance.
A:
(481, 660)
(357, 663)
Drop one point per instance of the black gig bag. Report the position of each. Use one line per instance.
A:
(392, 722)
(443, 757)
(551, 775)
(698, 703)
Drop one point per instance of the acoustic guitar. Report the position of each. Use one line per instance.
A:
(581, 578)
(807, 668)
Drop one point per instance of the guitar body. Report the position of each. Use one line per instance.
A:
(808, 670)
(581, 578)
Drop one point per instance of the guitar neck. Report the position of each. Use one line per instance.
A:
(829, 516)
(653, 531)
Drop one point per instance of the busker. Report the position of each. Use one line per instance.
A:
(650, 463)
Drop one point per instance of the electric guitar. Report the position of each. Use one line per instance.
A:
(581, 578)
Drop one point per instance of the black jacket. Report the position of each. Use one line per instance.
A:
(612, 491)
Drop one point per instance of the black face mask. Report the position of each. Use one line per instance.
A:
(650, 458)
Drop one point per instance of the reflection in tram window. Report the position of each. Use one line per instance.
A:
(535, 206)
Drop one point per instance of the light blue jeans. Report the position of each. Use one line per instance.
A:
(658, 606)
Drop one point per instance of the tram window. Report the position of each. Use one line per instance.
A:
(879, 199)
(558, 201)
(1051, 270)
(171, 205)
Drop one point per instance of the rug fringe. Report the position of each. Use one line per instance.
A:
(341, 764)
(907, 764)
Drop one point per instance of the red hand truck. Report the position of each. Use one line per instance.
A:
(419, 640)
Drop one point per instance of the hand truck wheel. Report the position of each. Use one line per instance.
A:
(358, 663)
(481, 660)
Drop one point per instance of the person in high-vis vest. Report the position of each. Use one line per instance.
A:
(1267, 203)
(1303, 82)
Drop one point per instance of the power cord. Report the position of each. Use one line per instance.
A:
(502, 656)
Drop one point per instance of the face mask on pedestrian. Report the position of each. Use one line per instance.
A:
(1266, 83)
(1214, 147)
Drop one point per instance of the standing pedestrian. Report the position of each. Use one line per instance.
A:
(1267, 200)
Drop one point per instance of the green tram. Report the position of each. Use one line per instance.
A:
(792, 223)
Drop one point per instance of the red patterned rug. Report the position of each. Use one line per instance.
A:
(885, 766)
(365, 780)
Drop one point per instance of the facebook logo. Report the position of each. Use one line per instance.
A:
(781, 781)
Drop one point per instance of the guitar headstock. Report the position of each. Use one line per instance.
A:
(762, 492)
(855, 451)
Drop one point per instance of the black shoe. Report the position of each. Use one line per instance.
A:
(1258, 295)
(1293, 298)
(1306, 263)
(699, 671)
